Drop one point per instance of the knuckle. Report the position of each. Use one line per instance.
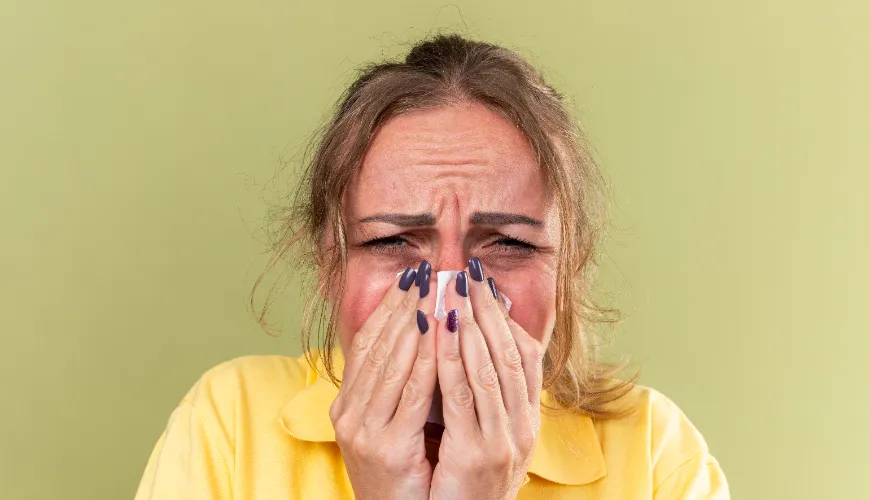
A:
(525, 440)
(364, 397)
(512, 358)
(391, 374)
(361, 342)
(488, 377)
(411, 398)
(462, 397)
(474, 459)
(501, 455)
(335, 411)
(358, 445)
(526, 445)
(378, 354)
(343, 433)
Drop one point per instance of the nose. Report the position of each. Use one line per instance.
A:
(450, 257)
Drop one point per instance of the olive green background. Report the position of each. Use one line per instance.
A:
(137, 142)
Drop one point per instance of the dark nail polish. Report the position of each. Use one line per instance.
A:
(425, 268)
(407, 279)
(453, 321)
(492, 287)
(423, 275)
(462, 284)
(422, 324)
(475, 268)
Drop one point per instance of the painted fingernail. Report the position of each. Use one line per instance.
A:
(453, 320)
(407, 278)
(475, 268)
(424, 268)
(492, 287)
(423, 275)
(462, 284)
(422, 324)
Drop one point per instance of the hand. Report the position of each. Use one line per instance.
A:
(489, 371)
(385, 395)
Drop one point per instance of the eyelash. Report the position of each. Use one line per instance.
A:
(388, 244)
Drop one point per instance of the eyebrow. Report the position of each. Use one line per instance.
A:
(481, 218)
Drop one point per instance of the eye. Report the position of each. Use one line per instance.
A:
(516, 245)
(386, 244)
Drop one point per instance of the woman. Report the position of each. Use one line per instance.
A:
(458, 158)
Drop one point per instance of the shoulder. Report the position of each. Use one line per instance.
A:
(660, 428)
(250, 382)
(680, 458)
(667, 427)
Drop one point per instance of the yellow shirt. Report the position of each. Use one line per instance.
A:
(258, 427)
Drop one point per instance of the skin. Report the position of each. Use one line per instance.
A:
(445, 172)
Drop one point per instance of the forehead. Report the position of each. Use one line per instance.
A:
(465, 151)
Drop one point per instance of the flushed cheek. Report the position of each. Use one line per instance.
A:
(361, 297)
(533, 302)
(533, 306)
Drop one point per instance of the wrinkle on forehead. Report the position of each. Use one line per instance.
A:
(457, 159)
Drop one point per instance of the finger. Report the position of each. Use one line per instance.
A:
(402, 332)
(374, 356)
(499, 340)
(502, 306)
(371, 329)
(531, 349)
(457, 399)
(416, 399)
(479, 368)
(532, 354)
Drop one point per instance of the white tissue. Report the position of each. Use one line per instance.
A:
(445, 277)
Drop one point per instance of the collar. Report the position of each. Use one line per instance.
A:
(567, 450)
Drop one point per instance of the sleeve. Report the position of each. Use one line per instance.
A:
(683, 468)
(187, 462)
(700, 478)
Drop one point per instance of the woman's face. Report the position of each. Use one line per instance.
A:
(446, 185)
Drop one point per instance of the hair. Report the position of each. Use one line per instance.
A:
(441, 71)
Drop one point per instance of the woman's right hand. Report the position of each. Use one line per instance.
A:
(385, 395)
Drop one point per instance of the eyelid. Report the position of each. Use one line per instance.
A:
(502, 243)
(383, 239)
(386, 244)
(515, 239)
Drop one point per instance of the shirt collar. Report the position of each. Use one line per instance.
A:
(567, 450)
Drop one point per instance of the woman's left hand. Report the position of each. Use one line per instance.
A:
(490, 372)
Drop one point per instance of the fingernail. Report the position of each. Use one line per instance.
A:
(475, 268)
(492, 287)
(462, 284)
(453, 320)
(425, 267)
(422, 324)
(407, 278)
(423, 276)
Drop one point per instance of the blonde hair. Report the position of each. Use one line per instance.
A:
(440, 71)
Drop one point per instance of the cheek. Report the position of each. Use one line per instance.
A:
(532, 294)
(533, 301)
(362, 295)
